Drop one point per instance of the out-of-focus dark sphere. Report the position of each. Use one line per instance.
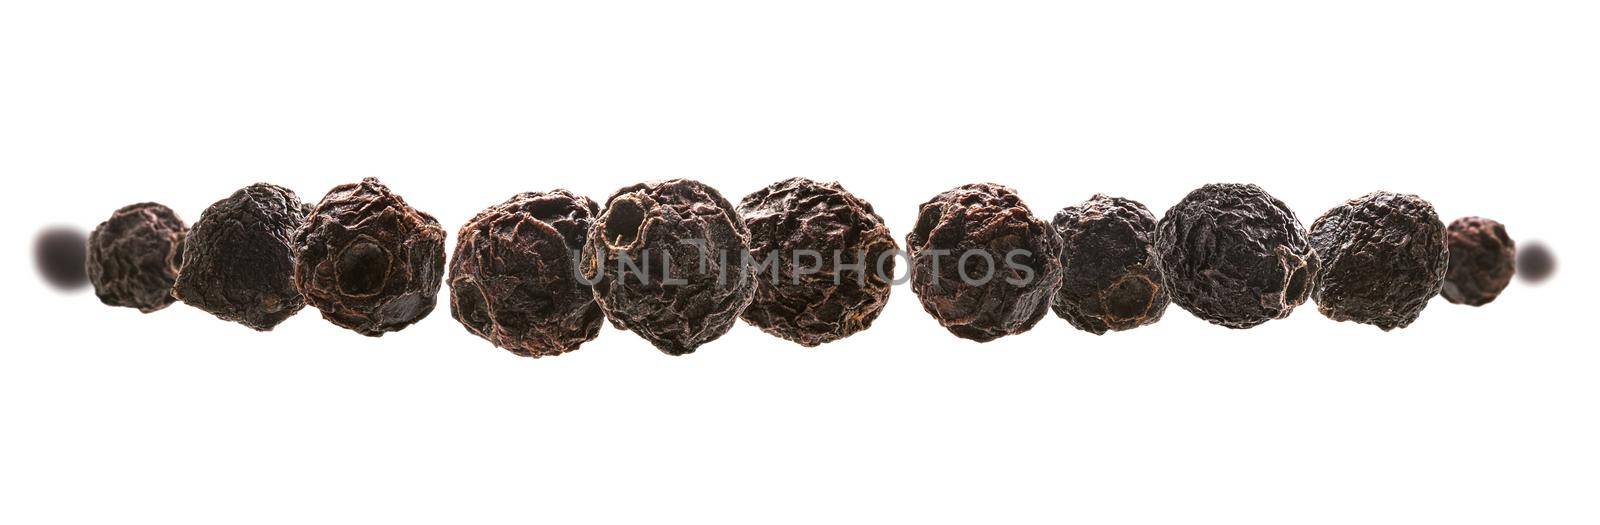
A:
(1535, 262)
(60, 252)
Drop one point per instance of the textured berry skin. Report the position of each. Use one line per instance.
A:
(802, 216)
(1482, 261)
(1235, 256)
(690, 247)
(990, 222)
(237, 263)
(369, 261)
(1384, 257)
(134, 256)
(1111, 276)
(514, 277)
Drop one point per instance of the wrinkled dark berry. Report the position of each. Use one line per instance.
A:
(1235, 256)
(824, 261)
(1482, 260)
(514, 278)
(1111, 278)
(982, 264)
(237, 264)
(60, 253)
(369, 261)
(668, 261)
(1535, 262)
(1383, 256)
(134, 256)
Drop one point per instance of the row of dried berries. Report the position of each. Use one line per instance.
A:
(366, 259)
(1229, 253)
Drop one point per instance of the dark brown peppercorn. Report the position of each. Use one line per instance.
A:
(134, 256)
(60, 253)
(824, 261)
(1235, 256)
(982, 264)
(1112, 279)
(668, 262)
(237, 264)
(514, 278)
(1535, 262)
(1384, 257)
(369, 261)
(1482, 260)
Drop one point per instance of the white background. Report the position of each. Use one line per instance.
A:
(1471, 415)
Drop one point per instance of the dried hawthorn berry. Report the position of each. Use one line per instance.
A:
(134, 256)
(982, 264)
(1482, 260)
(369, 261)
(60, 253)
(1234, 255)
(668, 261)
(824, 261)
(1111, 278)
(237, 264)
(1383, 256)
(1535, 262)
(514, 278)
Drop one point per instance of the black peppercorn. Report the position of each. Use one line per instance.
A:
(134, 256)
(369, 261)
(60, 254)
(1111, 277)
(1235, 256)
(1383, 256)
(824, 261)
(514, 278)
(1535, 262)
(982, 264)
(237, 263)
(1482, 260)
(668, 261)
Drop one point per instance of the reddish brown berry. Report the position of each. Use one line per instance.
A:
(369, 261)
(1234, 255)
(237, 263)
(982, 264)
(825, 261)
(134, 256)
(1112, 278)
(668, 262)
(514, 279)
(1383, 257)
(1482, 261)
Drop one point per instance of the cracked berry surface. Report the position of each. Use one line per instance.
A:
(1235, 256)
(369, 261)
(668, 261)
(1111, 278)
(237, 262)
(1384, 256)
(982, 265)
(133, 257)
(514, 279)
(1483, 258)
(812, 236)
